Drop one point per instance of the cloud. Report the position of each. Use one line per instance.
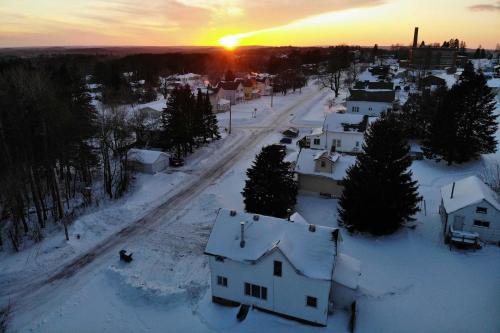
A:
(492, 7)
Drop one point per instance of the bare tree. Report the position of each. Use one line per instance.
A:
(331, 75)
(491, 175)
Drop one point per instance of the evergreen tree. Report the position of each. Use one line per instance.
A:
(379, 193)
(209, 120)
(464, 125)
(270, 188)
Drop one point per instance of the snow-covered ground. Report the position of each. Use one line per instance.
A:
(411, 281)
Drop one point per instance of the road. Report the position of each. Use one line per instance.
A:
(30, 294)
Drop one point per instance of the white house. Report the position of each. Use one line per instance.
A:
(293, 269)
(470, 210)
(370, 102)
(147, 161)
(341, 132)
(322, 172)
(231, 91)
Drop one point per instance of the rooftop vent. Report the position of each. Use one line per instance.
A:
(312, 228)
(232, 213)
(256, 217)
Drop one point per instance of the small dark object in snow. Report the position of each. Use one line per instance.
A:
(242, 313)
(125, 257)
(176, 162)
(77, 236)
(286, 140)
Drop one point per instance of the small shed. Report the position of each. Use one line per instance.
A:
(148, 161)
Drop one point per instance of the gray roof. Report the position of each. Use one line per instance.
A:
(384, 96)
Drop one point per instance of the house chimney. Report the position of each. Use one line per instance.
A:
(415, 37)
(452, 190)
(242, 236)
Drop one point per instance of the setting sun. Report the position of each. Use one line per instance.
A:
(229, 42)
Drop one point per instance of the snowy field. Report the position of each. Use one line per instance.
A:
(411, 281)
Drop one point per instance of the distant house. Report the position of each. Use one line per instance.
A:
(322, 172)
(232, 91)
(432, 82)
(263, 85)
(147, 161)
(370, 102)
(287, 267)
(341, 132)
(367, 85)
(248, 88)
(470, 210)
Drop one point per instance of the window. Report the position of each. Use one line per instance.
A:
(357, 143)
(339, 143)
(323, 164)
(312, 301)
(255, 291)
(316, 141)
(369, 109)
(479, 223)
(355, 109)
(222, 281)
(481, 210)
(277, 264)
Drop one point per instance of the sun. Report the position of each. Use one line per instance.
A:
(229, 42)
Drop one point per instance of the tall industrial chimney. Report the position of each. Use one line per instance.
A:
(415, 37)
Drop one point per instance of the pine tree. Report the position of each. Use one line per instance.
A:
(464, 125)
(379, 193)
(210, 119)
(270, 188)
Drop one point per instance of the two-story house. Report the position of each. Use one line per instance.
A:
(290, 268)
(341, 132)
(370, 102)
(470, 210)
(231, 91)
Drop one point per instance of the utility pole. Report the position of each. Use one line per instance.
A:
(272, 95)
(230, 108)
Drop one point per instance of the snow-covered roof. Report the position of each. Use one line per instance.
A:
(347, 271)
(306, 163)
(468, 191)
(145, 156)
(311, 253)
(493, 83)
(336, 122)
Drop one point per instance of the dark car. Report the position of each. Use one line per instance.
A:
(286, 140)
(176, 162)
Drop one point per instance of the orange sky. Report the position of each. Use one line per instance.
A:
(257, 22)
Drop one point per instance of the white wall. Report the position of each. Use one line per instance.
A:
(286, 294)
(372, 109)
(347, 144)
(491, 234)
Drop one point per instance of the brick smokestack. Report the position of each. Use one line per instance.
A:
(415, 37)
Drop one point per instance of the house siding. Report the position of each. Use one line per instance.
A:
(491, 234)
(364, 107)
(320, 184)
(348, 141)
(285, 295)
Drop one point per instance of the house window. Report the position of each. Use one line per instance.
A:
(369, 109)
(255, 291)
(277, 264)
(481, 210)
(222, 281)
(355, 109)
(483, 224)
(339, 143)
(323, 164)
(312, 301)
(357, 143)
(316, 141)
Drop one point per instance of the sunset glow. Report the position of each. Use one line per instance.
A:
(234, 23)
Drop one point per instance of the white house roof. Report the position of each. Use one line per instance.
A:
(335, 122)
(468, 191)
(347, 271)
(311, 253)
(306, 163)
(145, 156)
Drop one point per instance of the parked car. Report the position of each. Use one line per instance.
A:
(176, 162)
(286, 140)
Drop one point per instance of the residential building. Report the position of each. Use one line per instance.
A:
(470, 211)
(232, 91)
(322, 172)
(341, 132)
(148, 161)
(287, 267)
(370, 102)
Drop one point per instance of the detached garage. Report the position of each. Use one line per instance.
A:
(148, 161)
